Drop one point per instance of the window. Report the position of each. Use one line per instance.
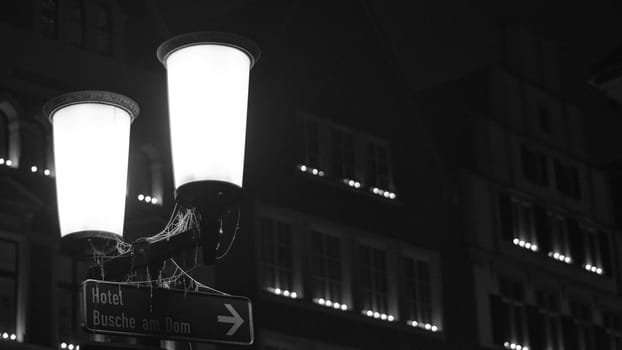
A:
(67, 295)
(567, 180)
(544, 119)
(49, 18)
(508, 314)
(590, 248)
(613, 330)
(377, 165)
(374, 279)
(326, 266)
(76, 23)
(547, 323)
(33, 145)
(8, 286)
(583, 327)
(418, 290)
(312, 141)
(343, 154)
(534, 165)
(145, 174)
(4, 136)
(276, 254)
(103, 30)
(517, 221)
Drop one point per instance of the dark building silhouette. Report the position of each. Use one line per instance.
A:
(474, 214)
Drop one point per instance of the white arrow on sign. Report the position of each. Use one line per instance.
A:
(235, 319)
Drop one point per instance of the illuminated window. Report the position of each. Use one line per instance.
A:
(326, 266)
(509, 314)
(374, 280)
(145, 173)
(312, 144)
(277, 264)
(8, 286)
(33, 144)
(4, 136)
(418, 290)
(343, 154)
(103, 31)
(377, 165)
(49, 18)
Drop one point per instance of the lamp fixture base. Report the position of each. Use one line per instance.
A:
(209, 199)
(89, 244)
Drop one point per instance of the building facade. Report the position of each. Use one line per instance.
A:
(467, 216)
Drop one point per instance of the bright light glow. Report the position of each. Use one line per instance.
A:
(34, 169)
(344, 307)
(8, 162)
(46, 172)
(369, 313)
(329, 303)
(391, 318)
(154, 200)
(91, 147)
(567, 260)
(303, 168)
(351, 182)
(286, 293)
(141, 197)
(1, 161)
(5, 335)
(321, 173)
(314, 171)
(392, 195)
(599, 271)
(434, 328)
(63, 345)
(293, 295)
(13, 337)
(207, 97)
(147, 199)
(321, 301)
(376, 314)
(70, 347)
(383, 316)
(515, 240)
(277, 291)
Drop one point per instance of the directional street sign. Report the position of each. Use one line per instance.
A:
(118, 308)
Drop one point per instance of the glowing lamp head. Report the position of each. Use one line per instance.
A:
(91, 131)
(208, 79)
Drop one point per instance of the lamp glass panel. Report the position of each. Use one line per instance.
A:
(91, 147)
(207, 96)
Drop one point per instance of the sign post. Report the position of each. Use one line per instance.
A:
(122, 309)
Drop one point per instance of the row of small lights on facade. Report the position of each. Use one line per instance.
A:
(310, 170)
(283, 292)
(524, 244)
(333, 304)
(427, 326)
(147, 199)
(383, 193)
(344, 307)
(69, 346)
(376, 314)
(7, 336)
(350, 182)
(593, 268)
(515, 346)
(560, 257)
(33, 169)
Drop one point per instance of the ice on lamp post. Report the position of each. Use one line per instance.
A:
(91, 131)
(208, 80)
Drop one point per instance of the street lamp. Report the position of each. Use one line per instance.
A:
(91, 132)
(208, 77)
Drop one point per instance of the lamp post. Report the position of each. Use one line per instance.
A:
(208, 79)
